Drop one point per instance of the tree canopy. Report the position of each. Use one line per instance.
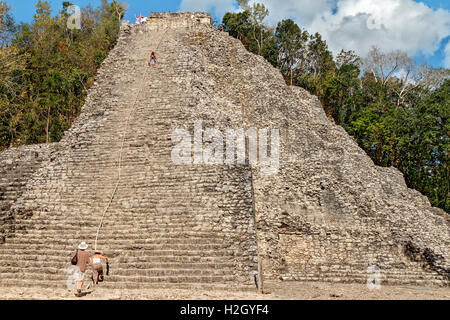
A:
(48, 67)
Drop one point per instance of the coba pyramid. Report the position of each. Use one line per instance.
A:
(327, 214)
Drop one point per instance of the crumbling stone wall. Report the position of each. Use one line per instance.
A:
(177, 19)
(330, 213)
(17, 167)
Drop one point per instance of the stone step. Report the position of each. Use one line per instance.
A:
(146, 246)
(122, 235)
(183, 217)
(138, 227)
(132, 229)
(18, 259)
(60, 273)
(144, 225)
(52, 252)
(62, 279)
(121, 263)
(21, 242)
(132, 285)
(158, 213)
(388, 274)
(413, 279)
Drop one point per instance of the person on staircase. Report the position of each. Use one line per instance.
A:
(97, 267)
(152, 60)
(82, 262)
(138, 19)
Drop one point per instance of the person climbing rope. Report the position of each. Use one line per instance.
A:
(152, 60)
(81, 260)
(138, 19)
(97, 267)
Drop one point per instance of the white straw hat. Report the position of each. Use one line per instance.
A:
(83, 246)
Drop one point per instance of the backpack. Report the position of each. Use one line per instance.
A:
(74, 260)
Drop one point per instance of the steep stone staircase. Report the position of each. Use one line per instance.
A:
(168, 225)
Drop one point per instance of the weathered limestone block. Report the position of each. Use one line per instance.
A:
(17, 167)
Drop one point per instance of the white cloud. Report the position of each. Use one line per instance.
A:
(389, 24)
(303, 11)
(447, 56)
(357, 24)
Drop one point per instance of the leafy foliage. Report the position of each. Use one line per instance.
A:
(48, 69)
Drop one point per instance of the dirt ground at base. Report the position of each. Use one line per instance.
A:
(278, 291)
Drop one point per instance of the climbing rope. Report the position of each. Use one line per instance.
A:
(122, 147)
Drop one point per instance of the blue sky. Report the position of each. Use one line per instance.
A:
(24, 10)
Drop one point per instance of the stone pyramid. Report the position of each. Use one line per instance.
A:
(326, 214)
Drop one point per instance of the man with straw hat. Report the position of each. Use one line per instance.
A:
(82, 261)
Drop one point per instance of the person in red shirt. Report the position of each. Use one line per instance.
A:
(152, 60)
